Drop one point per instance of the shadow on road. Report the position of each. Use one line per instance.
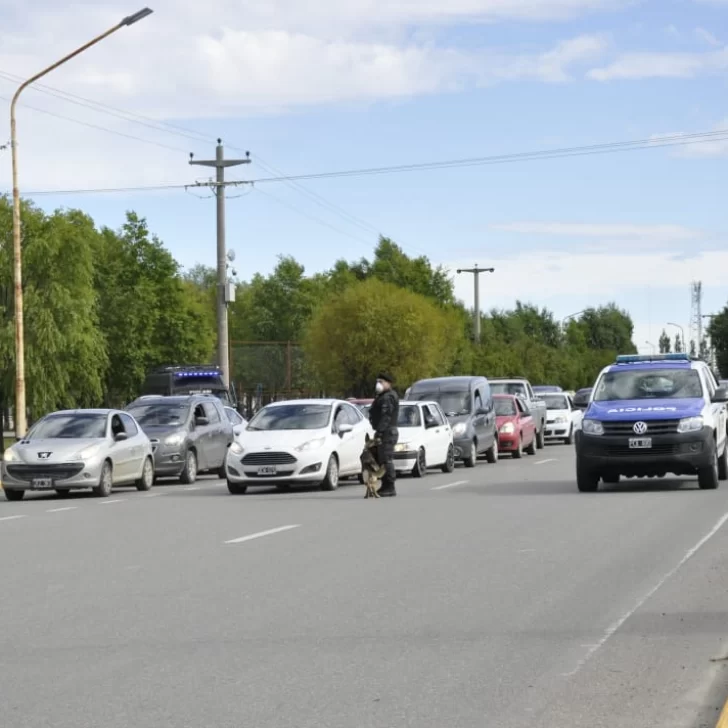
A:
(563, 487)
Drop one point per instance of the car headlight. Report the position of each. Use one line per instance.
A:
(10, 455)
(311, 444)
(459, 429)
(508, 429)
(88, 453)
(592, 427)
(690, 424)
(237, 449)
(402, 447)
(560, 418)
(174, 440)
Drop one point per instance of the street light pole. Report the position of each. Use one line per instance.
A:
(649, 343)
(20, 410)
(682, 333)
(476, 312)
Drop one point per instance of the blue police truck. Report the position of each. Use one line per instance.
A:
(171, 379)
(653, 415)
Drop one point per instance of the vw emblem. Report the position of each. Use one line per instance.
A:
(640, 428)
(44, 455)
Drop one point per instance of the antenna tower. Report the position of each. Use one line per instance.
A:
(696, 314)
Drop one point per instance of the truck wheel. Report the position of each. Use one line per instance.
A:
(540, 441)
(708, 477)
(472, 457)
(587, 480)
(723, 464)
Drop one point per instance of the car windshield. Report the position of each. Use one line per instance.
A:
(453, 403)
(516, 388)
(71, 427)
(555, 401)
(649, 384)
(543, 388)
(409, 416)
(159, 414)
(504, 406)
(292, 417)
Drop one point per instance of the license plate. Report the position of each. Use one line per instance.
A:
(41, 484)
(640, 443)
(267, 470)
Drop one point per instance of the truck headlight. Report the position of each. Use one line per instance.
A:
(690, 424)
(592, 427)
(507, 429)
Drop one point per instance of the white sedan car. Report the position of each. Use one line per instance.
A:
(425, 439)
(298, 442)
(562, 418)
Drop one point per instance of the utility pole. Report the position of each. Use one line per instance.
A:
(476, 314)
(225, 293)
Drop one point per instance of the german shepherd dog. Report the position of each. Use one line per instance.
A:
(371, 470)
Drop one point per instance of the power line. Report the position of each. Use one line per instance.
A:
(593, 149)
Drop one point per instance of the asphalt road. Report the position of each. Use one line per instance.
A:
(496, 597)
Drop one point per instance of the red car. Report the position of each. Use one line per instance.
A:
(515, 424)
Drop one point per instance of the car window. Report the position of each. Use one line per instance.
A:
(522, 408)
(116, 426)
(648, 383)
(211, 413)
(709, 383)
(234, 417)
(353, 415)
(159, 414)
(434, 412)
(478, 402)
(409, 416)
(129, 425)
(70, 426)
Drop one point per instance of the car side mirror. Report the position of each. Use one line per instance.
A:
(720, 395)
(120, 437)
(481, 411)
(344, 428)
(201, 421)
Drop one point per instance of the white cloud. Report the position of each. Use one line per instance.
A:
(634, 66)
(662, 233)
(707, 37)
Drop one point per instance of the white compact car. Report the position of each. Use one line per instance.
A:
(425, 439)
(562, 418)
(298, 442)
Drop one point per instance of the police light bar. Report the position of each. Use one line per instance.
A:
(637, 358)
(194, 375)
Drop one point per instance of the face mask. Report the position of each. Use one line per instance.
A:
(379, 388)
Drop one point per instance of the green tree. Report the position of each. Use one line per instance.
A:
(678, 344)
(608, 328)
(718, 332)
(664, 343)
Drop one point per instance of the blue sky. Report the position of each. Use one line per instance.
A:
(374, 83)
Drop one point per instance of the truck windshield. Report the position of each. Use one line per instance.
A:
(509, 388)
(649, 384)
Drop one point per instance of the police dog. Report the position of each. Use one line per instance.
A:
(371, 470)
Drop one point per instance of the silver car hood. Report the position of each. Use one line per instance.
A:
(61, 450)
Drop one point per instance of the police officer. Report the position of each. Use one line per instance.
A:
(383, 416)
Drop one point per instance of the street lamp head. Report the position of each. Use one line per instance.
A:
(136, 17)
(490, 270)
(459, 270)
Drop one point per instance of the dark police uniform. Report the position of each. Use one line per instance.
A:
(383, 416)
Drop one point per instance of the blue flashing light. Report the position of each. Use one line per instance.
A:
(638, 358)
(196, 375)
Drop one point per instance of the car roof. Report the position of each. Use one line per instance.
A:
(448, 380)
(86, 412)
(175, 398)
(518, 380)
(309, 401)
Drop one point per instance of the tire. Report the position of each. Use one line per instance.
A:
(14, 495)
(587, 480)
(472, 458)
(491, 454)
(540, 440)
(517, 454)
(420, 468)
(236, 488)
(708, 477)
(449, 464)
(106, 482)
(331, 481)
(63, 492)
(221, 472)
(531, 449)
(611, 479)
(723, 464)
(189, 474)
(568, 440)
(147, 480)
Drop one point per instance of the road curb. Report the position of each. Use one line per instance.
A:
(723, 720)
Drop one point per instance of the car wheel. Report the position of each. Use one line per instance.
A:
(14, 495)
(568, 440)
(189, 474)
(472, 457)
(540, 440)
(449, 465)
(491, 454)
(587, 480)
(147, 480)
(106, 482)
(331, 481)
(708, 477)
(236, 488)
(420, 468)
(723, 464)
(531, 449)
(518, 452)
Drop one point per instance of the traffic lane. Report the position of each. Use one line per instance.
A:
(453, 608)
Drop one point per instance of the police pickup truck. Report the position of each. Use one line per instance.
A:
(653, 415)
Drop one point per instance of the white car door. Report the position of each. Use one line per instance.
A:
(439, 437)
(347, 443)
(136, 445)
(121, 452)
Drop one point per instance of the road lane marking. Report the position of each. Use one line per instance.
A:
(543, 462)
(609, 632)
(11, 518)
(194, 487)
(109, 502)
(60, 510)
(153, 495)
(260, 534)
(450, 485)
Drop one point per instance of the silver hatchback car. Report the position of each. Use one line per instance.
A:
(79, 449)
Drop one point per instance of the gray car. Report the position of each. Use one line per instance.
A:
(190, 434)
(76, 450)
